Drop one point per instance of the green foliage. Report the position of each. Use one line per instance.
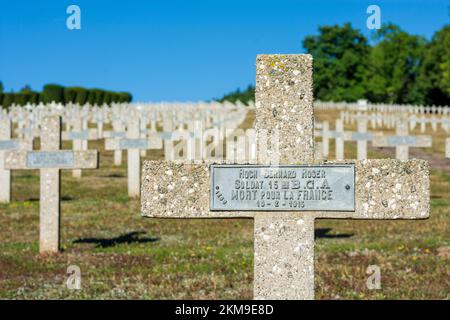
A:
(393, 66)
(244, 96)
(64, 95)
(340, 61)
(53, 93)
(33, 97)
(433, 81)
(397, 68)
(21, 98)
(8, 100)
(1, 87)
(107, 97)
(95, 97)
(70, 95)
(81, 95)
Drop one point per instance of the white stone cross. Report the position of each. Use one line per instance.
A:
(361, 136)
(447, 147)
(284, 239)
(50, 160)
(133, 143)
(79, 138)
(117, 132)
(402, 141)
(7, 144)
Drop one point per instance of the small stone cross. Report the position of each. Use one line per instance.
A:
(402, 141)
(8, 144)
(50, 160)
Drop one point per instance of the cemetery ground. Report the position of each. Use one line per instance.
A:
(124, 256)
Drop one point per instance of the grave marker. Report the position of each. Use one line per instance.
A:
(402, 141)
(447, 147)
(6, 144)
(79, 138)
(50, 160)
(284, 240)
(133, 143)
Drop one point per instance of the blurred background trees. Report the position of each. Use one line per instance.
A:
(60, 94)
(394, 67)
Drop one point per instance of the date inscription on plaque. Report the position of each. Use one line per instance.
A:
(283, 188)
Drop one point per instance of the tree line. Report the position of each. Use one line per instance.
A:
(59, 94)
(396, 67)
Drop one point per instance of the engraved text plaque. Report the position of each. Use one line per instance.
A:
(56, 159)
(283, 188)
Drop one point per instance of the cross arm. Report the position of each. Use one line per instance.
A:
(412, 141)
(75, 159)
(384, 189)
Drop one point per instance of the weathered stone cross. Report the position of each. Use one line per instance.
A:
(285, 199)
(50, 160)
(7, 144)
(402, 141)
(133, 143)
(79, 138)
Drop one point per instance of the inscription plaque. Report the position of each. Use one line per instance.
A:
(282, 188)
(361, 136)
(78, 135)
(41, 159)
(133, 144)
(401, 140)
(9, 145)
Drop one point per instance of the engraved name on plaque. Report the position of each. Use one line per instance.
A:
(282, 188)
(56, 159)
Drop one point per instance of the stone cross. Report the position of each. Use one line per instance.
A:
(6, 144)
(133, 143)
(284, 200)
(80, 139)
(118, 132)
(402, 141)
(361, 136)
(50, 160)
(447, 147)
(337, 134)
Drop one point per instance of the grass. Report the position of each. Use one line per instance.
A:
(124, 256)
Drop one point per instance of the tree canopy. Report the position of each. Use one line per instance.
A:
(59, 94)
(396, 67)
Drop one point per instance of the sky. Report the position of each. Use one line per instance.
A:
(176, 50)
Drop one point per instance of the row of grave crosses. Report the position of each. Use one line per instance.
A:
(284, 242)
(401, 140)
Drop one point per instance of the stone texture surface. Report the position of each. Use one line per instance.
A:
(284, 101)
(290, 241)
(50, 189)
(385, 189)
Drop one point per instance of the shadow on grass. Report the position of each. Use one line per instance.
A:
(128, 238)
(114, 175)
(63, 198)
(323, 233)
